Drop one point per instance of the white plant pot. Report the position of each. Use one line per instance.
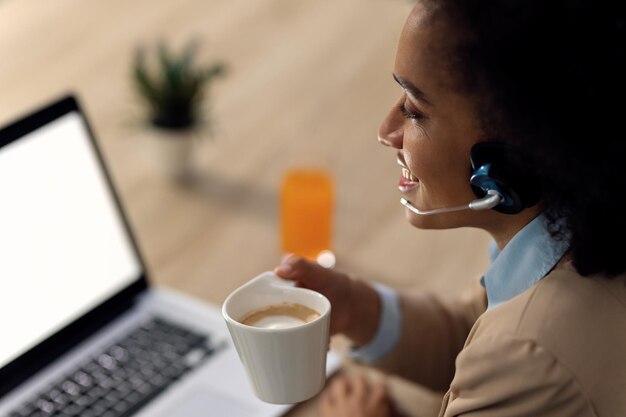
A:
(171, 152)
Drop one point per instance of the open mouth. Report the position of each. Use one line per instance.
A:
(406, 172)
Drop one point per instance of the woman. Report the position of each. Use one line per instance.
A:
(518, 102)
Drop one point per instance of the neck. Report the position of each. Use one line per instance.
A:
(503, 232)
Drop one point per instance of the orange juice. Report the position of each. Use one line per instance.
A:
(306, 204)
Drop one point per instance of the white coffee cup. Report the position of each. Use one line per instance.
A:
(285, 365)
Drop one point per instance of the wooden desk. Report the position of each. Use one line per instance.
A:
(309, 82)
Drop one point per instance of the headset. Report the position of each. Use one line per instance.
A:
(495, 181)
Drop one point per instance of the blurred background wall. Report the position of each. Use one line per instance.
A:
(308, 82)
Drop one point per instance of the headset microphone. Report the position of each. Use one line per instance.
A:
(496, 180)
(492, 199)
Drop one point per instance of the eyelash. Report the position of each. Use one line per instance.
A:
(410, 115)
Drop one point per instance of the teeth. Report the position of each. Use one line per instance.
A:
(407, 174)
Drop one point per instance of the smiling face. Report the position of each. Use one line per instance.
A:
(433, 127)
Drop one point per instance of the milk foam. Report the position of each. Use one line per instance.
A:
(278, 322)
(280, 316)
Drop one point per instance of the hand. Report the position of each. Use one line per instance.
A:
(355, 304)
(355, 397)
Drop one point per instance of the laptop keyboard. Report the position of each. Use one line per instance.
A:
(125, 376)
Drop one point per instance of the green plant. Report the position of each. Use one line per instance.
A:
(173, 86)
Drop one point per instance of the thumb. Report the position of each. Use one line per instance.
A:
(296, 268)
(285, 268)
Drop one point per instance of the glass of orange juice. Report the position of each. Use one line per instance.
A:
(306, 215)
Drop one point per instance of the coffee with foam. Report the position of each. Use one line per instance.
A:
(280, 316)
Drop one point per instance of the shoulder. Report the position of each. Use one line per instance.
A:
(560, 309)
(567, 331)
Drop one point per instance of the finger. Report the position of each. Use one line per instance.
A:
(285, 256)
(360, 387)
(308, 274)
(326, 402)
(379, 389)
(335, 409)
(326, 408)
(340, 402)
(378, 393)
(284, 268)
(339, 388)
(291, 265)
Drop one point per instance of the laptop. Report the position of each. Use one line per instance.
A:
(83, 331)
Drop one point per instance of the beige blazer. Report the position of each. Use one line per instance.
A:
(558, 349)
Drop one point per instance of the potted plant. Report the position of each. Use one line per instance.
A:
(174, 90)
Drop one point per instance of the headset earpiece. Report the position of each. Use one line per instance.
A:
(494, 169)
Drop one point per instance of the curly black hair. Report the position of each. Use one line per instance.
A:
(548, 77)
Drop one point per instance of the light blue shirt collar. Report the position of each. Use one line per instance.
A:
(527, 258)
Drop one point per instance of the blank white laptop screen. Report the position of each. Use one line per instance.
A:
(64, 246)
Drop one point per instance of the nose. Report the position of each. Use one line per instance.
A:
(390, 132)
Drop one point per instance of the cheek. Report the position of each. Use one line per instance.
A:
(441, 171)
(431, 164)
(419, 154)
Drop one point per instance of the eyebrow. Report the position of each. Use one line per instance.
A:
(411, 89)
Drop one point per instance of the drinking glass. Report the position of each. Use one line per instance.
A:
(306, 215)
